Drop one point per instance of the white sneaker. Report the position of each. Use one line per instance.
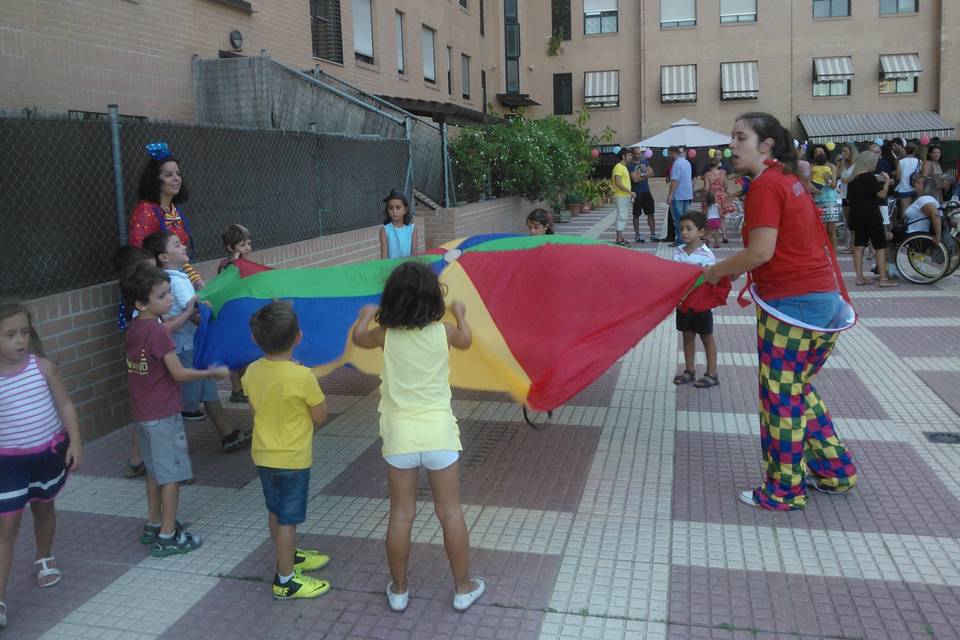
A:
(462, 601)
(746, 497)
(398, 601)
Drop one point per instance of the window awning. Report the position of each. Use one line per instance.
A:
(900, 66)
(738, 80)
(678, 83)
(824, 127)
(601, 88)
(833, 69)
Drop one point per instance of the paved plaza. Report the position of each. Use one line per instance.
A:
(617, 518)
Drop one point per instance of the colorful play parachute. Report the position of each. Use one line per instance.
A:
(549, 314)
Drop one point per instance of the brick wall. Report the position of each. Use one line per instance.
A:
(79, 328)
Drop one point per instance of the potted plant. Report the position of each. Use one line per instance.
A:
(574, 202)
(590, 192)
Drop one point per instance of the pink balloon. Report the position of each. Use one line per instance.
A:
(692, 153)
(924, 140)
(648, 153)
(595, 153)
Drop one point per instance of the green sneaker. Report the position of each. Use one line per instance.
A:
(299, 586)
(309, 560)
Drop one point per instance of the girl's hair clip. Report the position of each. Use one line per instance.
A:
(159, 151)
(395, 195)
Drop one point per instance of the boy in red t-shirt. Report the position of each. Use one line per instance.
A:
(153, 371)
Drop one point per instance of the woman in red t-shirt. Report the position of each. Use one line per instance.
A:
(799, 309)
(160, 190)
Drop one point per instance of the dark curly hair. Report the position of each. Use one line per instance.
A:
(137, 283)
(150, 185)
(412, 297)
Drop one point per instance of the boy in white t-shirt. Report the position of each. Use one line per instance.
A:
(694, 323)
(171, 255)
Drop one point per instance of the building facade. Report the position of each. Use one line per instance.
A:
(637, 65)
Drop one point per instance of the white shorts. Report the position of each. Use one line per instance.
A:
(624, 212)
(430, 460)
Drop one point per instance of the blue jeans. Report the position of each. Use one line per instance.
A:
(817, 309)
(677, 209)
(285, 492)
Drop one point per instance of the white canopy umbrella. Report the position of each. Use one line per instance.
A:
(685, 133)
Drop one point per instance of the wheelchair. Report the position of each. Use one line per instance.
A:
(922, 259)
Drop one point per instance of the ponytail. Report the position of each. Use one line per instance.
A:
(766, 126)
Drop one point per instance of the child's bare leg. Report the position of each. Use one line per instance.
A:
(832, 232)
(218, 417)
(403, 510)
(858, 263)
(285, 540)
(882, 262)
(136, 458)
(710, 347)
(456, 539)
(153, 500)
(690, 350)
(236, 386)
(9, 528)
(169, 499)
(652, 225)
(44, 526)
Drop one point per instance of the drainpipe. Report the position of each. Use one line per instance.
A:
(117, 174)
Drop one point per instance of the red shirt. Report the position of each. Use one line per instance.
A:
(801, 261)
(154, 394)
(144, 221)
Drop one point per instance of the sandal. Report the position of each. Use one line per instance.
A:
(135, 470)
(863, 282)
(3, 615)
(707, 381)
(46, 571)
(684, 378)
(888, 283)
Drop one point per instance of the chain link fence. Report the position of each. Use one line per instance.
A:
(59, 210)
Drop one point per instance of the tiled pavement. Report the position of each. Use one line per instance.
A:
(616, 519)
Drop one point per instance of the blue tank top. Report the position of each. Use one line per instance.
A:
(399, 240)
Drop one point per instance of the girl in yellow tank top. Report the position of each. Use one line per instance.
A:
(417, 424)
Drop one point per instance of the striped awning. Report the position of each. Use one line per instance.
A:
(833, 69)
(824, 127)
(678, 83)
(900, 66)
(738, 80)
(601, 88)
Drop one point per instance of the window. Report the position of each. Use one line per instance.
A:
(482, 23)
(599, 16)
(738, 11)
(601, 89)
(465, 75)
(363, 31)
(739, 80)
(560, 19)
(463, 3)
(511, 29)
(898, 6)
(562, 94)
(429, 59)
(399, 38)
(678, 83)
(483, 88)
(899, 85)
(678, 13)
(450, 71)
(325, 30)
(831, 8)
(831, 87)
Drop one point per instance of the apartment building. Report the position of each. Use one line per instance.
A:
(829, 68)
(82, 55)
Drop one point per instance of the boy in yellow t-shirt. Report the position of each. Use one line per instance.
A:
(286, 401)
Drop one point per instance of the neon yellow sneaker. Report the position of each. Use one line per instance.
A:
(309, 560)
(299, 586)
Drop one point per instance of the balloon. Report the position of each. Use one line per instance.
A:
(727, 153)
(616, 148)
(831, 145)
(711, 152)
(878, 142)
(648, 153)
(594, 153)
(924, 140)
(665, 153)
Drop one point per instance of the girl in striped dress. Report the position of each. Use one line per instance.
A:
(39, 443)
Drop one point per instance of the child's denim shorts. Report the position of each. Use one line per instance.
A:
(285, 492)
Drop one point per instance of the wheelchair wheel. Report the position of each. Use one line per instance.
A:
(921, 259)
(954, 253)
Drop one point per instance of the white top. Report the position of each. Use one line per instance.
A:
(702, 257)
(917, 220)
(713, 212)
(28, 416)
(845, 177)
(182, 290)
(907, 167)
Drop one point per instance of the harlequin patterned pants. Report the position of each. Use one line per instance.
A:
(796, 432)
